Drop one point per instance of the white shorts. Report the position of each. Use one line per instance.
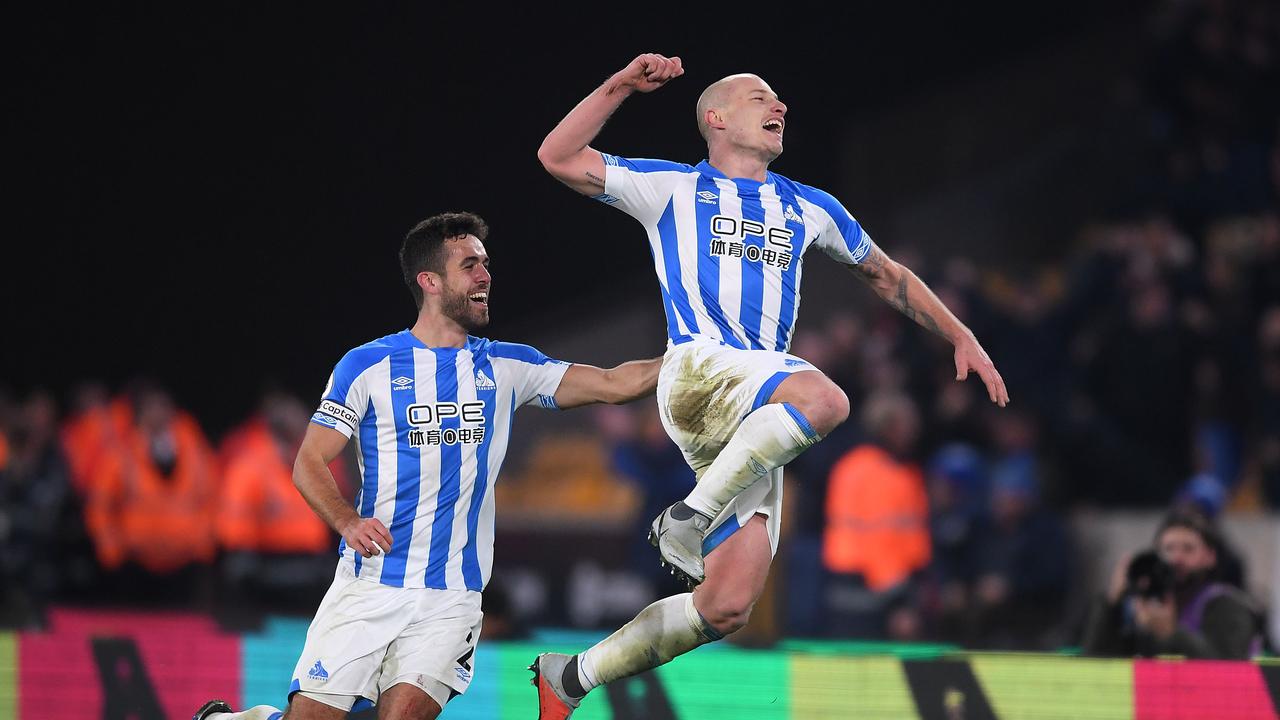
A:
(367, 637)
(705, 389)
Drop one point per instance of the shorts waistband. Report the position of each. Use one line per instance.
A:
(683, 339)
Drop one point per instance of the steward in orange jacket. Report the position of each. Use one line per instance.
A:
(260, 509)
(877, 507)
(150, 497)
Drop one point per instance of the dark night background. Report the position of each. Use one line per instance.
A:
(214, 195)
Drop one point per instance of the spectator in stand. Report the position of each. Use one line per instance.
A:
(1196, 615)
(957, 499)
(877, 535)
(642, 454)
(1024, 562)
(1205, 496)
(278, 552)
(1140, 383)
(96, 424)
(150, 502)
(38, 520)
(1267, 413)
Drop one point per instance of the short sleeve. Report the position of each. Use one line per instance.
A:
(840, 236)
(641, 188)
(345, 398)
(536, 377)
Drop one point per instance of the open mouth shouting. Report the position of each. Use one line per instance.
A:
(774, 125)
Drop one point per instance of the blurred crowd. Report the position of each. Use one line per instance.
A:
(124, 500)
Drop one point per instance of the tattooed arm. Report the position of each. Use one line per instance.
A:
(902, 289)
(566, 152)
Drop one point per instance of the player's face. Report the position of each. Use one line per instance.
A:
(755, 117)
(466, 283)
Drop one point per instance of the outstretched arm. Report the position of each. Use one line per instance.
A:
(902, 289)
(367, 536)
(585, 384)
(566, 152)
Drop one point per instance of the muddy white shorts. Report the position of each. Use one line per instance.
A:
(367, 637)
(705, 389)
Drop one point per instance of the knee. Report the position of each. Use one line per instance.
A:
(826, 409)
(727, 616)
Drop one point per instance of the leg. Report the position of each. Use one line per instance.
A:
(796, 414)
(800, 411)
(408, 702)
(736, 572)
(821, 401)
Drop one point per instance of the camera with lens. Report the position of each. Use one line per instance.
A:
(1148, 576)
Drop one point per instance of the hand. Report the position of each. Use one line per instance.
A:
(367, 536)
(649, 72)
(971, 356)
(1119, 579)
(1156, 616)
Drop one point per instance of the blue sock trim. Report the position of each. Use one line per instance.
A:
(275, 716)
(801, 420)
(766, 390)
(720, 534)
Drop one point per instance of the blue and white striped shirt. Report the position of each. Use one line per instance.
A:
(728, 252)
(431, 426)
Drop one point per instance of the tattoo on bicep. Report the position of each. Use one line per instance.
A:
(903, 304)
(872, 266)
(595, 179)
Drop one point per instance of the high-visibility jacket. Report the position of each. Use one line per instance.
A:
(877, 518)
(260, 509)
(135, 512)
(87, 435)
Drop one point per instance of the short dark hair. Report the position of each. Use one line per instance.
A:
(1196, 524)
(423, 247)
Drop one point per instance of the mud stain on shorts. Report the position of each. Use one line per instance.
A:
(700, 399)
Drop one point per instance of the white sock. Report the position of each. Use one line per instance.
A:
(666, 629)
(257, 712)
(770, 437)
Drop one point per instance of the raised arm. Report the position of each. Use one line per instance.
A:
(368, 536)
(585, 384)
(901, 288)
(566, 152)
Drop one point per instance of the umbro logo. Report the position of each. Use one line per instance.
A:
(791, 214)
(402, 383)
(484, 382)
(318, 672)
(708, 197)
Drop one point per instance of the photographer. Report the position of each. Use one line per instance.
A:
(1169, 602)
